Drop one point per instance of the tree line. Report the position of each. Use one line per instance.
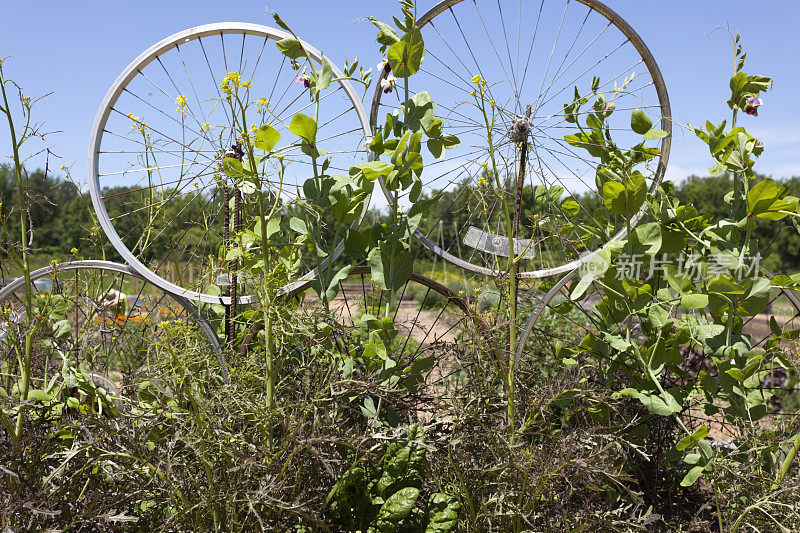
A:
(63, 222)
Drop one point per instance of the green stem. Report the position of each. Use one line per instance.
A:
(25, 263)
(787, 462)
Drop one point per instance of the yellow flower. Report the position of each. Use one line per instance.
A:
(262, 104)
(476, 78)
(481, 181)
(137, 122)
(234, 78)
(74, 251)
(205, 126)
(163, 324)
(246, 83)
(182, 103)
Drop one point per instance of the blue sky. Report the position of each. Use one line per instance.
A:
(77, 49)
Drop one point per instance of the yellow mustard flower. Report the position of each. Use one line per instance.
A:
(182, 103)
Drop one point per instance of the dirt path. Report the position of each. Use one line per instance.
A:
(425, 326)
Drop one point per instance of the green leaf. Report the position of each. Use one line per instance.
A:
(267, 137)
(435, 147)
(654, 134)
(406, 56)
(330, 292)
(648, 236)
(640, 123)
(570, 207)
(386, 35)
(658, 405)
(774, 327)
(304, 127)
(694, 301)
(323, 77)
(390, 271)
(233, 167)
(625, 199)
(717, 169)
(442, 513)
(62, 329)
(298, 225)
(691, 477)
(374, 170)
(395, 509)
(291, 48)
(690, 441)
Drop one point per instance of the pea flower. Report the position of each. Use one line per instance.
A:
(389, 83)
(384, 65)
(752, 105)
(303, 79)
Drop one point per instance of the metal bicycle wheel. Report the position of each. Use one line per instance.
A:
(160, 134)
(441, 346)
(99, 325)
(536, 56)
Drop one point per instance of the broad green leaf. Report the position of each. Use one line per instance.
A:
(570, 207)
(694, 301)
(323, 76)
(406, 56)
(640, 123)
(291, 48)
(395, 509)
(648, 236)
(374, 169)
(717, 169)
(233, 167)
(774, 327)
(692, 476)
(658, 405)
(690, 441)
(386, 35)
(304, 127)
(625, 199)
(390, 272)
(654, 134)
(442, 513)
(298, 225)
(266, 138)
(62, 329)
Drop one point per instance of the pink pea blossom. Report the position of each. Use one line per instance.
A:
(752, 105)
(303, 79)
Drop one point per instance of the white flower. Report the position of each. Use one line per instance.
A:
(388, 83)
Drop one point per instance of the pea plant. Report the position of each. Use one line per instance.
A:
(705, 284)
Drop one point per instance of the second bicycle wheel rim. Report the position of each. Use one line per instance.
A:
(172, 90)
(468, 38)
